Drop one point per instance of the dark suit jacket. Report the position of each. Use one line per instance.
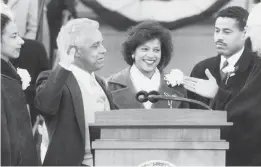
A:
(234, 84)
(244, 110)
(124, 92)
(59, 99)
(33, 58)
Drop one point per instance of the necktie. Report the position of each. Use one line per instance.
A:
(223, 75)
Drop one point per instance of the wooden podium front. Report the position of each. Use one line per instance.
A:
(183, 137)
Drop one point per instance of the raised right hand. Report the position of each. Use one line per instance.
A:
(67, 58)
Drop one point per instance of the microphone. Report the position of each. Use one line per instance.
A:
(155, 96)
(152, 95)
(142, 96)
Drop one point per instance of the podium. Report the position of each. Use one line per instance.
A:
(183, 137)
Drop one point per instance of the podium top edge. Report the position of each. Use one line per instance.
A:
(161, 110)
(159, 125)
(161, 117)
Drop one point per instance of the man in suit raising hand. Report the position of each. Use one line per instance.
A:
(69, 95)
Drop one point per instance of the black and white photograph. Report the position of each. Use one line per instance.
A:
(130, 83)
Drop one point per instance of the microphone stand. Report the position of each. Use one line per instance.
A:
(154, 98)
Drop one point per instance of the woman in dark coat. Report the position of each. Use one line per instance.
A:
(148, 50)
(17, 144)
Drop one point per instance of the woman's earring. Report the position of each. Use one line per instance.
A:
(132, 56)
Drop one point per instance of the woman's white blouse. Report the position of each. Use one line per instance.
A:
(141, 82)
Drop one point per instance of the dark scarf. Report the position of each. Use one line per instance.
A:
(9, 70)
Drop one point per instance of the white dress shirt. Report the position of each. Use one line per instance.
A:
(94, 99)
(45, 140)
(141, 82)
(231, 60)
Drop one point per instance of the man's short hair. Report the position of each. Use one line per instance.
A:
(235, 12)
(76, 32)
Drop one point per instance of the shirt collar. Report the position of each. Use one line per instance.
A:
(232, 60)
(141, 82)
(78, 72)
(135, 73)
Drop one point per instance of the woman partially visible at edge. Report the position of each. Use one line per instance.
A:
(148, 50)
(17, 145)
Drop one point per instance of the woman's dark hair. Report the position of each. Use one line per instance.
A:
(4, 21)
(143, 32)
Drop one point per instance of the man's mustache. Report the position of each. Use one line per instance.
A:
(221, 43)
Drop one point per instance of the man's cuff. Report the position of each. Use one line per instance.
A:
(69, 68)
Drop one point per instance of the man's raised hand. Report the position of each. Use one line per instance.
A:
(206, 88)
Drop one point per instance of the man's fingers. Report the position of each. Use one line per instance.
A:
(191, 79)
(190, 83)
(190, 88)
(209, 75)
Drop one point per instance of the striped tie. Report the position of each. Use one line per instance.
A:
(223, 75)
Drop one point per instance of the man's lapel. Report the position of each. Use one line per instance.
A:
(242, 65)
(108, 95)
(245, 60)
(77, 102)
(214, 68)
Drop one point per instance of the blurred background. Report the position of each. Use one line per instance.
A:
(191, 23)
(193, 38)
